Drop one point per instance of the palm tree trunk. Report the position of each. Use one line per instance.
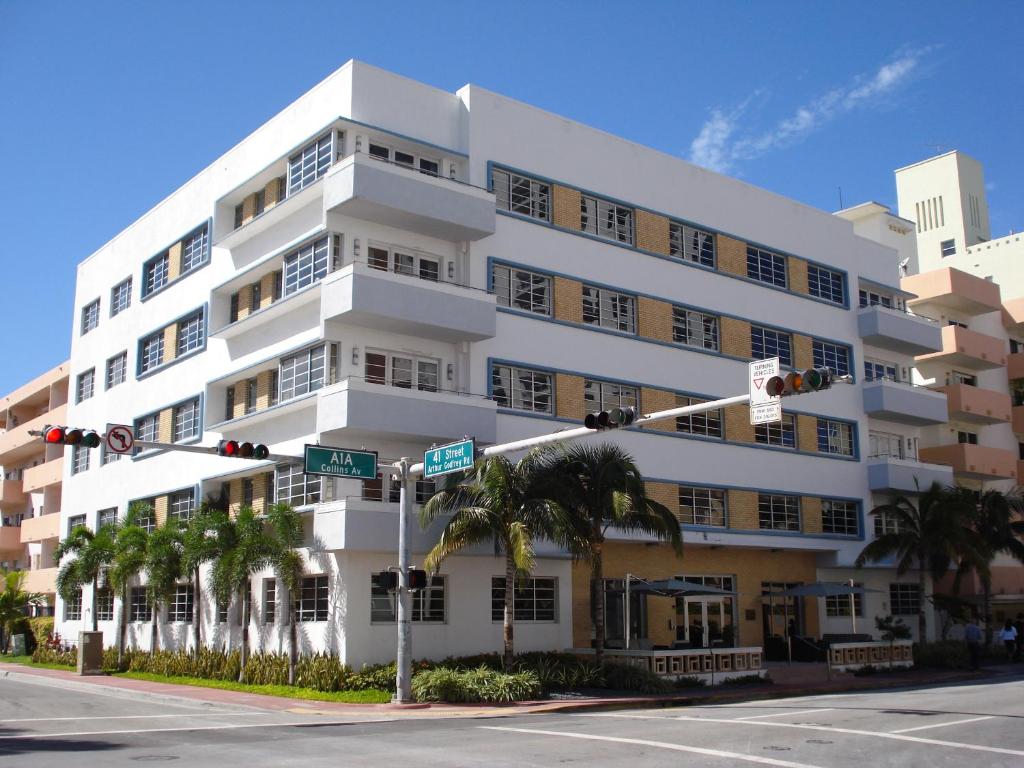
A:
(153, 635)
(95, 587)
(922, 624)
(597, 579)
(243, 656)
(122, 625)
(197, 610)
(293, 638)
(509, 615)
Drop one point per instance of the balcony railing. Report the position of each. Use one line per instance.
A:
(43, 475)
(40, 528)
(977, 405)
(898, 330)
(954, 290)
(12, 493)
(901, 475)
(980, 462)
(10, 538)
(17, 443)
(964, 348)
(903, 402)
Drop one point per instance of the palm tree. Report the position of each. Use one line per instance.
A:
(249, 548)
(163, 568)
(495, 501)
(602, 488)
(286, 527)
(203, 540)
(931, 537)
(93, 552)
(14, 604)
(130, 543)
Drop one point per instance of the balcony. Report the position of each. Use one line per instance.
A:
(17, 444)
(43, 475)
(1018, 419)
(964, 348)
(1015, 366)
(11, 493)
(979, 462)
(977, 405)
(360, 295)
(1013, 315)
(891, 475)
(953, 290)
(41, 580)
(358, 524)
(40, 528)
(10, 538)
(364, 411)
(904, 403)
(894, 329)
(401, 197)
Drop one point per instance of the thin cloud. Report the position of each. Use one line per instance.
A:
(720, 145)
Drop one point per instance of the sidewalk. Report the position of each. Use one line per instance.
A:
(695, 696)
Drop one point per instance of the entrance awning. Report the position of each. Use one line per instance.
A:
(675, 588)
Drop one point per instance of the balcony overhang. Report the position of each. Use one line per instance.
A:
(977, 405)
(888, 474)
(964, 348)
(903, 403)
(40, 528)
(977, 462)
(896, 330)
(955, 290)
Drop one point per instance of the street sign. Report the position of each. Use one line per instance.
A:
(340, 462)
(764, 409)
(120, 438)
(449, 458)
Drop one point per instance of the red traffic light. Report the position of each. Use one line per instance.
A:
(227, 448)
(237, 450)
(54, 435)
(811, 380)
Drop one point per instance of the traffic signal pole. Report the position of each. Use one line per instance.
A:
(403, 657)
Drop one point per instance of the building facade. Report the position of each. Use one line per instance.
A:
(30, 499)
(390, 266)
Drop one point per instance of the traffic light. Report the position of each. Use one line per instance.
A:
(417, 579)
(616, 417)
(55, 435)
(388, 580)
(811, 380)
(237, 450)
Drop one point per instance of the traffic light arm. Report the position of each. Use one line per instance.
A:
(209, 450)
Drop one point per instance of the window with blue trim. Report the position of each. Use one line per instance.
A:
(195, 250)
(605, 395)
(606, 219)
(836, 357)
(151, 351)
(609, 309)
(839, 517)
(835, 437)
(708, 424)
(691, 244)
(702, 506)
(878, 370)
(90, 316)
(766, 267)
(766, 343)
(522, 388)
(779, 433)
(521, 194)
(521, 289)
(155, 274)
(777, 512)
(190, 333)
(695, 329)
(310, 163)
(121, 297)
(305, 266)
(826, 284)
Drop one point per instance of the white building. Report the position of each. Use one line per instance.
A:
(388, 265)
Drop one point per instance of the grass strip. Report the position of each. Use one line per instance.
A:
(27, 661)
(346, 697)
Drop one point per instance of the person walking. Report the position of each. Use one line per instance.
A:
(1008, 634)
(972, 636)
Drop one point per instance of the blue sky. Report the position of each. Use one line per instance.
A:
(108, 107)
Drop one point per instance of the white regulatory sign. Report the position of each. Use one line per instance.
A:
(764, 408)
(120, 438)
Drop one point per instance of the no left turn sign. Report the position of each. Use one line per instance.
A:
(119, 438)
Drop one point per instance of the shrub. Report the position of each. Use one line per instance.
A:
(321, 672)
(748, 680)
(42, 628)
(625, 677)
(44, 654)
(379, 676)
(945, 654)
(688, 682)
(482, 684)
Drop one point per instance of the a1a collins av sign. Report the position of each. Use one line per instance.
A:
(453, 457)
(340, 462)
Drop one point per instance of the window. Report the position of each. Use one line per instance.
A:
(777, 512)
(181, 504)
(885, 445)
(147, 515)
(229, 403)
(835, 437)
(425, 165)
(151, 351)
(222, 612)
(405, 262)
(180, 606)
(766, 267)
(312, 599)
(947, 248)
(190, 333)
(701, 506)
(886, 523)
(295, 487)
(836, 357)
(233, 310)
(870, 299)
(839, 605)
(85, 386)
(117, 370)
(878, 370)
(249, 388)
(970, 438)
(520, 194)
(269, 601)
(402, 371)
(255, 296)
(248, 491)
(533, 599)
(522, 389)
(965, 378)
(73, 606)
(106, 517)
(186, 420)
(826, 284)
(194, 250)
(121, 297)
(104, 604)
(428, 605)
(904, 599)
(305, 266)
(155, 274)
(609, 309)
(138, 605)
(606, 219)
(306, 371)
(766, 343)
(520, 289)
(310, 163)
(107, 456)
(90, 316)
(605, 395)
(75, 521)
(79, 459)
(839, 517)
(694, 329)
(691, 244)
(272, 386)
(708, 423)
(781, 433)
(147, 429)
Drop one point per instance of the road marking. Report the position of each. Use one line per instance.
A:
(186, 728)
(943, 725)
(132, 717)
(658, 744)
(786, 714)
(828, 729)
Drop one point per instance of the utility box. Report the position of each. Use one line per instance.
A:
(90, 653)
(18, 647)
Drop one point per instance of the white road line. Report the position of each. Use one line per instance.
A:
(198, 713)
(657, 744)
(943, 725)
(786, 714)
(192, 728)
(828, 729)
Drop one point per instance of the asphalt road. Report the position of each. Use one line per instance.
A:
(44, 724)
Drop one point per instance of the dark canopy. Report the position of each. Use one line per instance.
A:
(675, 588)
(822, 589)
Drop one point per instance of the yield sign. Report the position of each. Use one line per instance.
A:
(760, 372)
